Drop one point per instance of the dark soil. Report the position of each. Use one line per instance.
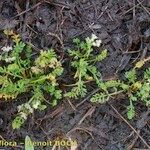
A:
(124, 27)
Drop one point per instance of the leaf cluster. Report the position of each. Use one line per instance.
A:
(136, 90)
(24, 74)
(21, 73)
(83, 62)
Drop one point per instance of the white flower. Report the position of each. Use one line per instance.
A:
(97, 43)
(6, 48)
(30, 109)
(10, 59)
(95, 40)
(93, 37)
(19, 108)
(25, 106)
(36, 70)
(23, 115)
(36, 104)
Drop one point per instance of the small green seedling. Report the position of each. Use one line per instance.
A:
(28, 143)
(83, 62)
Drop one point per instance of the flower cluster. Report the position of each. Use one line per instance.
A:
(6, 48)
(95, 40)
(10, 59)
(23, 109)
(36, 70)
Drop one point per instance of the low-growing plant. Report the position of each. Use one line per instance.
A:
(21, 73)
(83, 62)
(135, 89)
(139, 90)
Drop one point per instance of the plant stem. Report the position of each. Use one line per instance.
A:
(17, 76)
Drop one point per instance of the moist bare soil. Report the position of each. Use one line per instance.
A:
(124, 28)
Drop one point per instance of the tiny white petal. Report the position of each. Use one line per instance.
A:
(23, 115)
(6, 48)
(7, 60)
(30, 109)
(93, 37)
(97, 43)
(36, 104)
(19, 108)
(10, 59)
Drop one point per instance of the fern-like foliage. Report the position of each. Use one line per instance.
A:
(135, 89)
(83, 62)
(22, 74)
(108, 89)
